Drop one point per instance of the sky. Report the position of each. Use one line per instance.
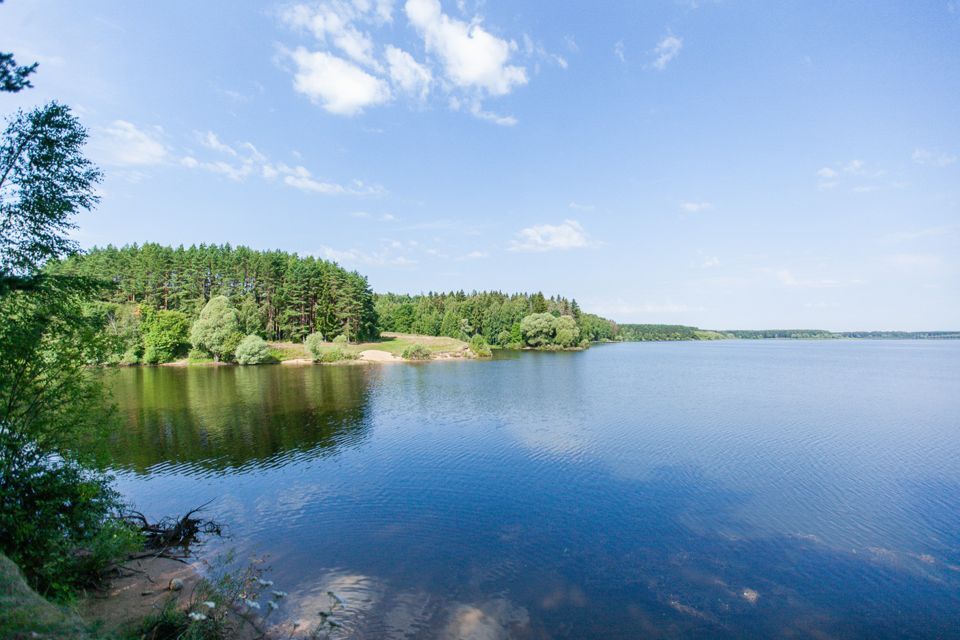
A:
(718, 163)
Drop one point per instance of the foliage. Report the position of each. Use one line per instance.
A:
(538, 329)
(494, 315)
(662, 332)
(796, 334)
(341, 339)
(480, 347)
(334, 354)
(216, 329)
(566, 332)
(44, 180)
(321, 351)
(49, 510)
(314, 344)
(277, 295)
(253, 350)
(417, 352)
(210, 615)
(14, 78)
(165, 336)
(57, 516)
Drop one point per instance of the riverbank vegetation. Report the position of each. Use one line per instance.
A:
(163, 304)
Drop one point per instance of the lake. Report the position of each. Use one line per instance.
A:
(722, 489)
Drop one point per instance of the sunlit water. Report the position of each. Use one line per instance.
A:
(728, 489)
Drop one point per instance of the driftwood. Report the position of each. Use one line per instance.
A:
(172, 537)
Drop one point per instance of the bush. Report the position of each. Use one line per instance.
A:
(57, 522)
(340, 339)
(314, 344)
(332, 354)
(230, 346)
(416, 352)
(480, 347)
(164, 336)
(253, 350)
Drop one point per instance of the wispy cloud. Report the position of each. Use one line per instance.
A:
(620, 51)
(123, 144)
(578, 206)
(569, 234)
(933, 158)
(243, 161)
(666, 50)
(695, 207)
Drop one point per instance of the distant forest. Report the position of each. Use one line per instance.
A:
(157, 294)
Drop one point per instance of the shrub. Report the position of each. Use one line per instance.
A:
(340, 339)
(57, 523)
(332, 354)
(314, 344)
(230, 346)
(480, 347)
(253, 350)
(164, 335)
(416, 352)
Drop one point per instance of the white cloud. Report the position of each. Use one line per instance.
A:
(478, 111)
(547, 237)
(577, 206)
(666, 50)
(335, 84)
(696, 207)
(471, 56)
(333, 22)
(211, 141)
(620, 51)
(347, 70)
(124, 144)
(411, 76)
(244, 160)
(933, 158)
(827, 173)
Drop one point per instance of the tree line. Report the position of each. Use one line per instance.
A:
(496, 316)
(273, 294)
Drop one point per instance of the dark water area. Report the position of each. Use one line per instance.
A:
(658, 490)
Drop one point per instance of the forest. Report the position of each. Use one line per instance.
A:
(497, 316)
(159, 300)
(665, 332)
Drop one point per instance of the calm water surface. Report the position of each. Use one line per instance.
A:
(629, 491)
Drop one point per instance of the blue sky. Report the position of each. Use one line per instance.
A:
(723, 163)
